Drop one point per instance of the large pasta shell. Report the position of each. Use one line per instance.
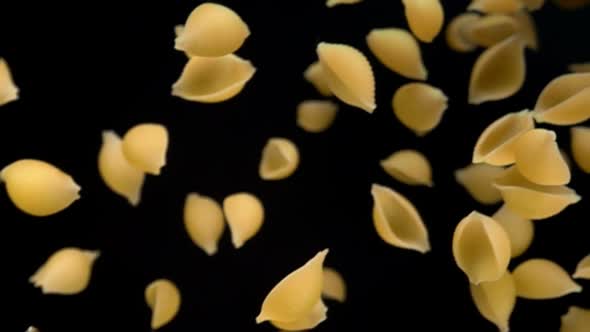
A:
(145, 146)
(492, 29)
(244, 213)
(520, 230)
(409, 166)
(496, 6)
(163, 298)
(399, 51)
(315, 116)
(542, 279)
(565, 100)
(495, 300)
(575, 320)
(204, 222)
(583, 269)
(457, 32)
(8, 90)
(419, 106)
(315, 75)
(280, 158)
(425, 18)
(539, 160)
(478, 180)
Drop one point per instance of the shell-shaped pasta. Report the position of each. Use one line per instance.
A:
(495, 300)
(565, 100)
(115, 170)
(527, 29)
(580, 67)
(315, 75)
(419, 106)
(39, 188)
(583, 269)
(399, 51)
(478, 180)
(163, 297)
(66, 272)
(397, 221)
(280, 159)
(349, 75)
(571, 4)
(311, 320)
(575, 320)
(332, 3)
(212, 30)
(410, 167)
(492, 29)
(8, 90)
(456, 33)
(315, 116)
(499, 72)
(542, 279)
(425, 18)
(145, 146)
(244, 213)
(520, 230)
(539, 160)
(213, 80)
(496, 144)
(204, 222)
(334, 287)
(496, 6)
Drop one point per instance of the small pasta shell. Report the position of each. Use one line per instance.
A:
(244, 214)
(311, 320)
(145, 146)
(583, 269)
(334, 287)
(349, 75)
(280, 158)
(212, 30)
(520, 230)
(478, 180)
(456, 33)
(397, 221)
(565, 100)
(163, 297)
(492, 29)
(66, 272)
(499, 72)
(315, 116)
(575, 320)
(527, 29)
(580, 67)
(425, 18)
(542, 279)
(399, 51)
(213, 80)
(419, 107)
(204, 222)
(315, 75)
(539, 160)
(8, 90)
(496, 6)
(495, 300)
(410, 167)
(39, 188)
(332, 3)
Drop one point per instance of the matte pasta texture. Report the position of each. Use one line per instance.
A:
(425, 18)
(565, 100)
(478, 180)
(496, 6)
(204, 222)
(575, 320)
(457, 35)
(419, 107)
(539, 160)
(495, 300)
(280, 158)
(163, 297)
(316, 116)
(334, 286)
(145, 146)
(8, 89)
(583, 269)
(244, 214)
(410, 167)
(520, 230)
(542, 279)
(316, 75)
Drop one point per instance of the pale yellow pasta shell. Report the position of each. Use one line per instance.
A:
(311, 320)
(244, 214)
(410, 167)
(580, 67)
(478, 180)
(520, 230)
(565, 100)
(145, 146)
(495, 300)
(204, 222)
(542, 279)
(583, 269)
(399, 51)
(539, 160)
(280, 158)
(496, 6)
(8, 90)
(332, 3)
(492, 29)
(425, 18)
(533, 5)
(456, 33)
(419, 107)
(334, 287)
(575, 320)
(527, 29)
(163, 297)
(315, 116)
(315, 75)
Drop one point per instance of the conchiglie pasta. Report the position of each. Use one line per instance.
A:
(495, 300)
(565, 100)
(492, 29)
(542, 279)
(334, 286)
(8, 90)
(496, 6)
(580, 67)
(316, 116)
(456, 34)
(145, 146)
(419, 107)
(575, 320)
(315, 75)
(332, 3)
(244, 214)
(539, 160)
(163, 297)
(204, 222)
(410, 167)
(583, 269)
(280, 158)
(520, 230)
(425, 18)
(478, 180)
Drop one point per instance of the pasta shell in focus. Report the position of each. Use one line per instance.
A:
(539, 160)
(419, 106)
(311, 320)
(456, 34)
(583, 269)
(492, 29)
(203, 220)
(8, 90)
(478, 180)
(145, 146)
(39, 188)
(527, 29)
(397, 221)
(244, 214)
(496, 6)
(410, 167)
(520, 230)
(575, 320)
(315, 116)
(495, 300)
(565, 100)
(315, 75)
(397, 50)
(542, 279)
(580, 67)
(66, 272)
(163, 297)
(213, 80)
(280, 159)
(425, 18)
(334, 287)
(332, 3)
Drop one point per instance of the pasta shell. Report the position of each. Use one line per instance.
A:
(315, 116)
(492, 29)
(495, 300)
(580, 67)
(397, 50)
(425, 18)
(575, 320)
(66, 272)
(163, 297)
(203, 220)
(8, 90)
(456, 34)
(527, 29)
(334, 286)
(332, 3)
(478, 180)
(244, 214)
(116, 172)
(499, 72)
(410, 167)
(419, 106)
(542, 279)
(349, 75)
(565, 100)
(212, 30)
(39, 188)
(496, 144)
(583, 269)
(571, 4)
(520, 230)
(213, 80)
(145, 146)
(496, 6)
(397, 221)
(311, 320)
(280, 159)
(539, 160)
(315, 75)
(533, 5)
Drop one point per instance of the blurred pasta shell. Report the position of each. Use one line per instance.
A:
(311, 320)
(334, 286)
(425, 18)
(419, 107)
(520, 230)
(145, 146)
(204, 222)
(315, 116)
(492, 29)
(163, 297)
(565, 100)
(542, 279)
(410, 167)
(532, 5)
(575, 320)
(244, 213)
(457, 32)
(580, 67)
(332, 3)
(8, 90)
(583, 269)
(495, 300)
(478, 180)
(527, 29)
(496, 6)
(539, 160)
(280, 158)
(315, 75)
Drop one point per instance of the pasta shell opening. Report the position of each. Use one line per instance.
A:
(419, 107)
(520, 230)
(410, 167)
(495, 300)
(583, 269)
(456, 34)
(204, 222)
(425, 18)
(244, 214)
(280, 158)
(163, 297)
(8, 90)
(315, 75)
(316, 116)
(145, 146)
(542, 279)
(539, 160)
(332, 3)
(492, 29)
(565, 100)
(334, 286)
(496, 6)
(478, 180)
(575, 320)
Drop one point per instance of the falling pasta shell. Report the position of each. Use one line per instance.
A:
(145, 146)
(478, 180)
(334, 286)
(203, 221)
(492, 29)
(583, 269)
(456, 33)
(425, 18)
(495, 300)
(163, 297)
(542, 279)
(315, 75)
(8, 90)
(419, 107)
(565, 100)
(575, 320)
(244, 214)
(316, 116)
(410, 167)
(520, 230)
(496, 6)
(280, 158)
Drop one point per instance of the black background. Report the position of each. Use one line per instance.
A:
(95, 65)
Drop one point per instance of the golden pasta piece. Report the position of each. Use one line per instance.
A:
(204, 222)
(542, 279)
(539, 160)
(244, 214)
(280, 159)
(571, 4)
(425, 18)
(492, 29)
(213, 80)
(533, 5)
(575, 320)
(499, 72)
(399, 51)
(334, 287)
(583, 269)
(520, 230)
(315, 116)
(115, 170)
(496, 6)
(456, 33)
(315, 75)
(527, 29)
(145, 146)
(410, 167)
(66, 272)
(495, 300)
(311, 320)
(419, 106)
(163, 297)
(332, 3)
(397, 221)
(39, 188)
(349, 75)
(565, 100)
(496, 144)
(478, 180)
(212, 30)
(8, 90)
(580, 67)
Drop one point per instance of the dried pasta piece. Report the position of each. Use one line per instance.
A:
(575, 320)
(315, 116)
(583, 269)
(163, 297)
(419, 106)
(213, 80)
(397, 221)
(204, 222)
(571, 4)
(478, 180)
(496, 144)
(399, 51)
(115, 170)
(332, 3)
(456, 33)
(315, 75)
(520, 230)
(244, 214)
(532, 5)
(565, 100)
(280, 159)
(495, 300)
(580, 67)
(310, 321)
(492, 29)
(349, 75)
(212, 30)
(499, 72)
(145, 146)
(425, 18)
(527, 29)
(334, 286)
(496, 6)
(539, 160)
(66, 272)
(410, 167)
(542, 279)
(39, 188)
(8, 90)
